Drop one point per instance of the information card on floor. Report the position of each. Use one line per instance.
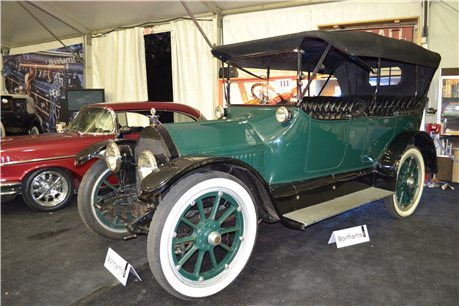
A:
(350, 236)
(119, 267)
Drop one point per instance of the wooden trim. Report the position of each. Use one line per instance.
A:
(450, 71)
(380, 23)
(366, 23)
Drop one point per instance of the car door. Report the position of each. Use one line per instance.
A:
(328, 140)
(338, 135)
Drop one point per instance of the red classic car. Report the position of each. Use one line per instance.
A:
(41, 167)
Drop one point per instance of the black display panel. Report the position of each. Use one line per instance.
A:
(76, 98)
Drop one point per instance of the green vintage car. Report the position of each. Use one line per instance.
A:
(345, 133)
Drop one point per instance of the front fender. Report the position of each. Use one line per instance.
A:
(160, 181)
(95, 150)
(167, 175)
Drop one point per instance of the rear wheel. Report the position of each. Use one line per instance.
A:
(409, 184)
(101, 203)
(48, 189)
(202, 234)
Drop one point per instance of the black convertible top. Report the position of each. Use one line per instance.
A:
(353, 44)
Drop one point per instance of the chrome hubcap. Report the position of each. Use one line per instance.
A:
(49, 188)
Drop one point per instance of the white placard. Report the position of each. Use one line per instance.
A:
(119, 267)
(350, 236)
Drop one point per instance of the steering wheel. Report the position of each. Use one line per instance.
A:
(265, 94)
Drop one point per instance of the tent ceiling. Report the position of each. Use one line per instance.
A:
(19, 28)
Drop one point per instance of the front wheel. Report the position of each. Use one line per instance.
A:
(409, 184)
(202, 234)
(48, 189)
(102, 205)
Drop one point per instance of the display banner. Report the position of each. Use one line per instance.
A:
(45, 76)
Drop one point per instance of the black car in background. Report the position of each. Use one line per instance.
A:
(18, 116)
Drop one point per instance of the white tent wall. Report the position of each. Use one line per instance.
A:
(248, 26)
(443, 34)
(45, 46)
(442, 38)
(192, 66)
(118, 65)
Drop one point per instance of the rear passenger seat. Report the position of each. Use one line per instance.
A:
(347, 107)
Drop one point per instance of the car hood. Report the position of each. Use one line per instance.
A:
(52, 145)
(245, 129)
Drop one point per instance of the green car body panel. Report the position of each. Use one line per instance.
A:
(318, 147)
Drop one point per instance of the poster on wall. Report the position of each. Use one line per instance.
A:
(45, 76)
(253, 91)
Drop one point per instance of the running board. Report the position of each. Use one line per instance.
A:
(313, 214)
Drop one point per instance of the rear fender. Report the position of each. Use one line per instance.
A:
(387, 167)
(421, 140)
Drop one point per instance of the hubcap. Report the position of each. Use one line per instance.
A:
(214, 238)
(410, 182)
(207, 236)
(49, 188)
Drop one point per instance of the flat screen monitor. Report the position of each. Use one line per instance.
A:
(76, 98)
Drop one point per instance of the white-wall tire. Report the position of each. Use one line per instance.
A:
(409, 184)
(167, 225)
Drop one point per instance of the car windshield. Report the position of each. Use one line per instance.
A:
(93, 120)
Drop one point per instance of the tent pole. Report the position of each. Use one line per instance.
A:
(77, 56)
(196, 23)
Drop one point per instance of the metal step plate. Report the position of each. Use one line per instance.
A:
(319, 212)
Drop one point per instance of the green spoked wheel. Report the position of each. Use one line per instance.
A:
(101, 204)
(202, 234)
(409, 184)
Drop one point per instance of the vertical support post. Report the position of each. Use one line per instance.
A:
(299, 74)
(2, 77)
(217, 39)
(87, 49)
